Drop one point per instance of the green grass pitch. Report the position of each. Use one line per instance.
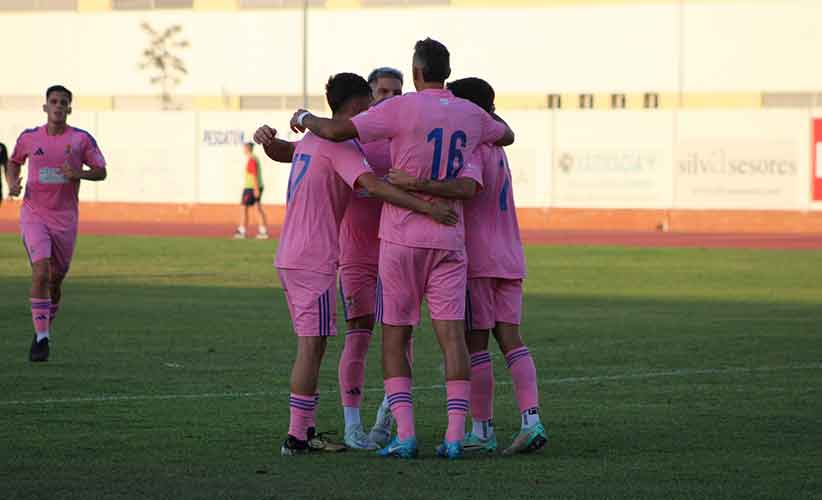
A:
(665, 373)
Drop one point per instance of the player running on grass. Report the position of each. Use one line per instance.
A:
(56, 153)
(359, 253)
(319, 189)
(496, 268)
(430, 132)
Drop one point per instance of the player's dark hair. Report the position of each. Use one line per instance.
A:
(343, 87)
(475, 90)
(250, 146)
(385, 72)
(434, 59)
(58, 88)
(4, 155)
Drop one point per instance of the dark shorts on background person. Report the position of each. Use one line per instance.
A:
(249, 199)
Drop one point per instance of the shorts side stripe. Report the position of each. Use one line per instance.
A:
(323, 313)
(342, 298)
(379, 300)
(328, 312)
(469, 314)
(23, 237)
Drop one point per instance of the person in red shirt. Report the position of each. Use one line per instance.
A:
(4, 158)
(252, 194)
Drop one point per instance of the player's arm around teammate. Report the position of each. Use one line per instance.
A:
(461, 188)
(337, 129)
(275, 148)
(440, 212)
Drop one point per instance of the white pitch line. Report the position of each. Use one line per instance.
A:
(683, 372)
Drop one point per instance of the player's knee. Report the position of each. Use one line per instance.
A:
(477, 341)
(362, 323)
(40, 274)
(56, 280)
(312, 347)
(508, 339)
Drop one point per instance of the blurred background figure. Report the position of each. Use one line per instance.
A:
(4, 159)
(252, 195)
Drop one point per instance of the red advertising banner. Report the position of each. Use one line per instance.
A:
(816, 161)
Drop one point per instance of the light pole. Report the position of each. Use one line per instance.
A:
(305, 54)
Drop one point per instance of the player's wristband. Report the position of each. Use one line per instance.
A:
(302, 117)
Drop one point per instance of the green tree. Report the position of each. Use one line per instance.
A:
(161, 59)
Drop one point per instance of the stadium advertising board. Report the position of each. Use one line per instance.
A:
(221, 161)
(610, 178)
(151, 155)
(529, 158)
(605, 159)
(737, 174)
(816, 162)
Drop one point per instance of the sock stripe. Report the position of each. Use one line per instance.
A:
(358, 330)
(516, 355)
(301, 405)
(400, 397)
(397, 403)
(302, 402)
(396, 397)
(306, 399)
(480, 358)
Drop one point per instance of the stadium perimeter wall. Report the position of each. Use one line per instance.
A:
(687, 49)
(695, 171)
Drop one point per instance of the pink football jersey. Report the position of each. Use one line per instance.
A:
(323, 173)
(49, 195)
(492, 231)
(359, 238)
(432, 134)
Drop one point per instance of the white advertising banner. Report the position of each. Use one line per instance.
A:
(613, 160)
(529, 158)
(221, 161)
(743, 159)
(754, 175)
(150, 156)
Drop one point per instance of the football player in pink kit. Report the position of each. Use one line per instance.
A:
(319, 189)
(496, 268)
(56, 153)
(431, 134)
(359, 253)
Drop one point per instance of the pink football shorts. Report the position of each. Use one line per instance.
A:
(407, 274)
(493, 300)
(358, 290)
(311, 302)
